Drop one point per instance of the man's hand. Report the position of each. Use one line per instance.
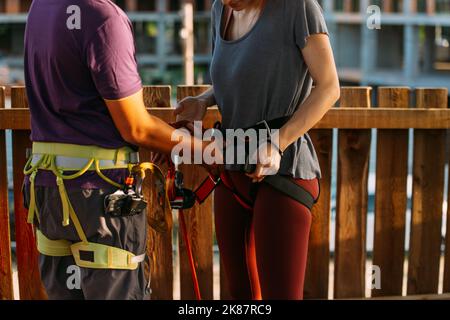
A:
(268, 162)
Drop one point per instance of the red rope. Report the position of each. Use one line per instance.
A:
(190, 255)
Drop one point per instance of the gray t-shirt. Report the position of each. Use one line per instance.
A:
(263, 76)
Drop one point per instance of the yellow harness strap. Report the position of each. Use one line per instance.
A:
(32, 207)
(52, 248)
(99, 256)
(96, 256)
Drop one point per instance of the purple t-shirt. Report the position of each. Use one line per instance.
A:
(76, 56)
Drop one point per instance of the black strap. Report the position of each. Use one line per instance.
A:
(273, 124)
(288, 187)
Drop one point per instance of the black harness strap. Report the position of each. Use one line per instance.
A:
(291, 189)
(280, 183)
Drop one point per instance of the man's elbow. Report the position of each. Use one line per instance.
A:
(135, 136)
(335, 92)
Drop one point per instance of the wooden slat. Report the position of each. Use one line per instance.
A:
(199, 222)
(159, 245)
(317, 271)
(446, 287)
(27, 256)
(428, 192)
(12, 6)
(353, 162)
(157, 97)
(6, 275)
(390, 198)
(342, 118)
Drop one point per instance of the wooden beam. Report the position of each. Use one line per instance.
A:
(340, 118)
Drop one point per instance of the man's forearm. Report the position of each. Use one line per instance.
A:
(158, 136)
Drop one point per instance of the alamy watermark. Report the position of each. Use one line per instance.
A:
(373, 277)
(74, 20)
(230, 147)
(374, 17)
(73, 281)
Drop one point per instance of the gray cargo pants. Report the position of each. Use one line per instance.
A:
(62, 279)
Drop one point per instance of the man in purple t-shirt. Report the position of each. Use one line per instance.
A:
(84, 88)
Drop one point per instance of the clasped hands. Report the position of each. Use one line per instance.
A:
(267, 157)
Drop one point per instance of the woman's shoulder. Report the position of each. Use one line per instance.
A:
(302, 5)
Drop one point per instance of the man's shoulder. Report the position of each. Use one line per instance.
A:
(100, 11)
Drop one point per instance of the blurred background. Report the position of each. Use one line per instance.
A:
(411, 48)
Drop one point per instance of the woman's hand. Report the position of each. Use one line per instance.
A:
(268, 158)
(191, 109)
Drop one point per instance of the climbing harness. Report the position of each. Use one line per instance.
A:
(61, 158)
(182, 199)
(128, 200)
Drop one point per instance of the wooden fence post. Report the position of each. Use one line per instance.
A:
(159, 245)
(199, 222)
(428, 193)
(6, 275)
(352, 194)
(390, 197)
(27, 256)
(317, 271)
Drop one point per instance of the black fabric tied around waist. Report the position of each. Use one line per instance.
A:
(281, 183)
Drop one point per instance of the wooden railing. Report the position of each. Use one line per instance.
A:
(354, 117)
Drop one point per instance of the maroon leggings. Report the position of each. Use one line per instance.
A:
(263, 251)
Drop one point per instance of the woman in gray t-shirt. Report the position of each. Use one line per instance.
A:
(266, 54)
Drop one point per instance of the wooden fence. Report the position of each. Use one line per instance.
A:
(354, 117)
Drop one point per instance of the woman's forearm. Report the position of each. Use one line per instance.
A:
(321, 99)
